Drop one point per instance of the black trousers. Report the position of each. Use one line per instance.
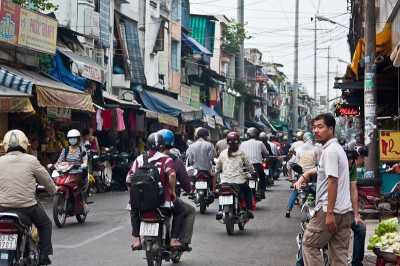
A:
(261, 175)
(36, 215)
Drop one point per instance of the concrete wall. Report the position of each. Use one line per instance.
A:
(174, 76)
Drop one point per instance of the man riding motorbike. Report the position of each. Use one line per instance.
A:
(72, 154)
(18, 177)
(222, 144)
(184, 180)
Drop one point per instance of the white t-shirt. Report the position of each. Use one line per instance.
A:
(333, 162)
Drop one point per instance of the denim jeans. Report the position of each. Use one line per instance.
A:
(274, 167)
(359, 232)
(261, 175)
(292, 199)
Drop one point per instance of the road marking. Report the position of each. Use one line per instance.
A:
(87, 241)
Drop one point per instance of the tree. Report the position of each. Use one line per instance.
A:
(233, 34)
(41, 5)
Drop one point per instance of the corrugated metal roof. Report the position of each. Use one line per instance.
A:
(203, 31)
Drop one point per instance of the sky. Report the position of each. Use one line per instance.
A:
(272, 25)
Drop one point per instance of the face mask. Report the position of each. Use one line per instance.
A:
(73, 141)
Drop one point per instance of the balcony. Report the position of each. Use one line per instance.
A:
(119, 81)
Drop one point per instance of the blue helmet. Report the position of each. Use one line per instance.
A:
(168, 136)
(308, 136)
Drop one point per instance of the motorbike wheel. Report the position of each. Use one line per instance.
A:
(59, 210)
(177, 258)
(241, 226)
(100, 183)
(153, 260)
(80, 217)
(361, 201)
(203, 206)
(230, 223)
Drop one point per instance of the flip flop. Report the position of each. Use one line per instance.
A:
(133, 247)
(180, 247)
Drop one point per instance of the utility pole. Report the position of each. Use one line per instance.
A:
(295, 94)
(241, 76)
(327, 88)
(370, 98)
(315, 57)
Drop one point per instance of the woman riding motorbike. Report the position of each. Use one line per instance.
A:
(230, 162)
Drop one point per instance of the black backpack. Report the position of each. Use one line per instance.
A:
(147, 193)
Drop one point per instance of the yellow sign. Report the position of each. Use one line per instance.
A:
(389, 145)
(37, 32)
(168, 120)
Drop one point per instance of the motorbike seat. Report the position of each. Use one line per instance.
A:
(234, 187)
(19, 218)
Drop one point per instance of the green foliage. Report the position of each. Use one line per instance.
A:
(384, 227)
(233, 35)
(41, 5)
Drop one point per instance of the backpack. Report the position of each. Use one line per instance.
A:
(66, 151)
(147, 193)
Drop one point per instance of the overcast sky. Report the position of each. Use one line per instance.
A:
(271, 23)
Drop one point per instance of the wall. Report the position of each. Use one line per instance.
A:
(174, 76)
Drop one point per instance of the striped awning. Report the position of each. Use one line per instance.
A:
(15, 82)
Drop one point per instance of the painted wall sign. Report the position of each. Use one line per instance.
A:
(389, 145)
(347, 109)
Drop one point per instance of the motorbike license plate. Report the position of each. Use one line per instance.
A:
(96, 173)
(149, 229)
(201, 185)
(8, 242)
(225, 200)
(252, 184)
(284, 162)
(266, 171)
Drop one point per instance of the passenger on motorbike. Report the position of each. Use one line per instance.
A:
(165, 165)
(72, 154)
(230, 164)
(18, 177)
(201, 154)
(184, 180)
(222, 144)
(298, 142)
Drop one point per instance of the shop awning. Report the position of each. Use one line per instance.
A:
(122, 103)
(267, 122)
(7, 92)
(86, 66)
(164, 104)
(275, 124)
(194, 45)
(16, 104)
(211, 112)
(161, 118)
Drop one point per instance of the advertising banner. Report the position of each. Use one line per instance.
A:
(9, 23)
(16, 104)
(186, 94)
(389, 145)
(168, 120)
(342, 109)
(228, 105)
(195, 96)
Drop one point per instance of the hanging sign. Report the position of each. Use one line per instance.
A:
(389, 145)
(342, 109)
(228, 105)
(195, 97)
(186, 94)
(168, 120)
(219, 120)
(210, 121)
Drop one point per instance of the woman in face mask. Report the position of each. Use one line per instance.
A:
(72, 154)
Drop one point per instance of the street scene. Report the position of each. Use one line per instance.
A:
(191, 132)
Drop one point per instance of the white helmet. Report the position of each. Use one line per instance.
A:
(73, 133)
(14, 139)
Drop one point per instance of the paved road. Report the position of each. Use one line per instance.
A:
(105, 237)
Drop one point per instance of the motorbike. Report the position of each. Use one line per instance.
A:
(155, 231)
(308, 189)
(284, 165)
(252, 180)
(232, 213)
(268, 178)
(68, 200)
(202, 195)
(18, 239)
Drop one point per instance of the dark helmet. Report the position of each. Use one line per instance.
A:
(357, 151)
(202, 133)
(233, 138)
(155, 142)
(225, 133)
(168, 136)
(252, 133)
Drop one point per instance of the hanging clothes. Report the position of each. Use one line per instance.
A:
(99, 120)
(132, 120)
(107, 119)
(120, 120)
(213, 96)
(140, 122)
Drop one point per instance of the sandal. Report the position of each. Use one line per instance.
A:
(139, 247)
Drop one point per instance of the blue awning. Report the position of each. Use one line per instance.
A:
(262, 124)
(208, 111)
(227, 125)
(156, 105)
(15, 82)
(194, 45)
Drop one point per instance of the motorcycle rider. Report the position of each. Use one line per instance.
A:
(19, 174)
(72, 154)
(230, 162)
(306, 157)
(184, 180)
(292, 152)
(165, 165)
(201, 155)
(276, 149)
(222, 144)
(254, 150)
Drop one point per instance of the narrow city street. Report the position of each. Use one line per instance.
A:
(104, 239)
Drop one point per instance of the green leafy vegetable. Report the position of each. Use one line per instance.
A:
(384, 234)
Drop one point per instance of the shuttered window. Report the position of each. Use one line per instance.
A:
(175, 56)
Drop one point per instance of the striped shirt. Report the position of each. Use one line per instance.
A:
(254, 149)
(73, 158)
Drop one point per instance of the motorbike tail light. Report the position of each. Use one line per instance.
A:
(9, 227)
(201, 177)
(150, 217)
(264, 165)
(226, 190)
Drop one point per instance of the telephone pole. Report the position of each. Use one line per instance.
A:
(370, 97)
(327, 88)
(295, 93)
(315, 58)
(241, 75)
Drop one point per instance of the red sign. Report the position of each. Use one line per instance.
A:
(347, 109)
(9, 22)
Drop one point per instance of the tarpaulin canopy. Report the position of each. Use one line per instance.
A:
(208, 111)
(16, 104)
(122, 103)
(194, 45)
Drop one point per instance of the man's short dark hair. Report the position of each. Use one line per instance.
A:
(328, 118)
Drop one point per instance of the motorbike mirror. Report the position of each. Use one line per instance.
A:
(298, 169)
(95, 156)
(50, 166)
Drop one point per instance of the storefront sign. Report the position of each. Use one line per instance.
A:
(27, 28)
(210, 121)
(186, 94)
(228, 105)
(219, 120)
(92, 22)
(195, 97)
(347, 109)
(389, 145)
(168, 120)
(54, 98)
(16, 104)
(92, 73)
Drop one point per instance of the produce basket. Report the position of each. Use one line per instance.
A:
(389, 257)
(377, 252)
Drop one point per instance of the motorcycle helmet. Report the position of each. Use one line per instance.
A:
(299, 135)
(252, 132)
(155, 141)
(357, 151)
(225, 133)
(168, 136)
(308, 136)
(263, 135)
(201, 133)
(233, 138)
(73, 133)
(15, 140)
(285, 138)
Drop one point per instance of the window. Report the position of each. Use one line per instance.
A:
(175, 10)
(175, 56)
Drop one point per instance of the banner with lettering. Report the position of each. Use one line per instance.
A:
(16, 104)
(228, 105)
(186, 94)
(389, 145)
(195, 97)
(168, 120)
